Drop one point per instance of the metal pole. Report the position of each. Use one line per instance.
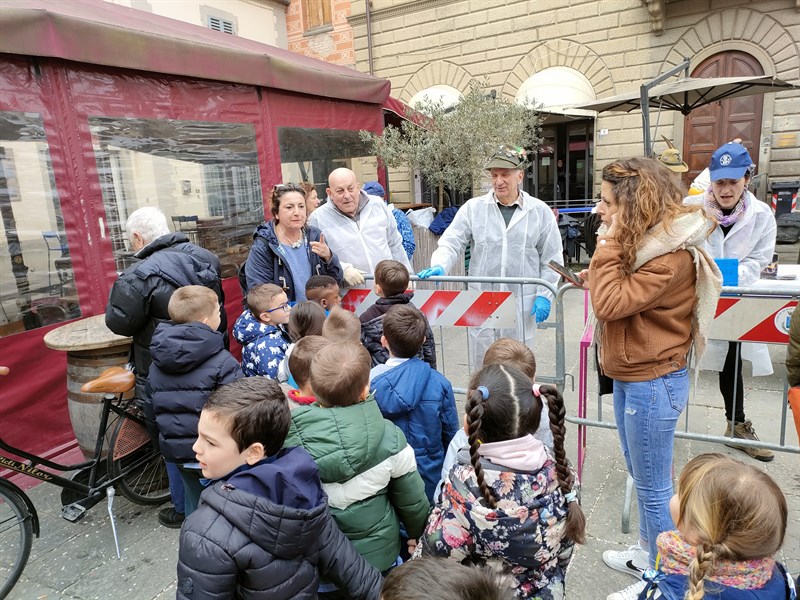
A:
(369, 35)
(645, 100)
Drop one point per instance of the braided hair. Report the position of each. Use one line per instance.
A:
(730, 511)
(501, 406)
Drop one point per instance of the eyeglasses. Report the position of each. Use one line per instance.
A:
(285, 306)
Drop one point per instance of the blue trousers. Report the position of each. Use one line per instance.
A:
(176, 487)
(647, 413)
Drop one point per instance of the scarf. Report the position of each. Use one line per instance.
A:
(687, 232)
(676, 556)
(714, 209)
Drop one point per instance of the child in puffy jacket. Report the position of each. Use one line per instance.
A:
(260, 329)
(731, 520)
(263, 529)
(412, 395)
(366, 467)
(510, 502)
(391, 282)
(189, 362)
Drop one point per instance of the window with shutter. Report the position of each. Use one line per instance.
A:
(222, 25)
(317, 13)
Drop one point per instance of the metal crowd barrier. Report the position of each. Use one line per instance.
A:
(783, 302)
(354, 298)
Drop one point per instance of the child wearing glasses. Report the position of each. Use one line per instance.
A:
(261, 331)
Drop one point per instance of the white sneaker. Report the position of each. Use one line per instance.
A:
(633, 561)
(632, 592)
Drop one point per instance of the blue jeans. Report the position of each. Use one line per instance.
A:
(647, 413)
(176, 487)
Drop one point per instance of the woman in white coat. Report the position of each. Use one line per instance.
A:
(511, 234)
(746, 232)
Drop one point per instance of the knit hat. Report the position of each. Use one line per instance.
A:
(373, 188)
(730, 161)
(671, 159)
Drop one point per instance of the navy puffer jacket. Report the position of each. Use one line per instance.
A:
(372, 330)
(266, 533)
(139, 298)
(189, 362)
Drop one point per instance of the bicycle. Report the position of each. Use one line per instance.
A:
(133, 463)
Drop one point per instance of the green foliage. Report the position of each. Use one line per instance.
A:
(451, 146)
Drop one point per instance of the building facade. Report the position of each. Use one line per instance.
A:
(566, 52)
(320, 29)
(259, 20)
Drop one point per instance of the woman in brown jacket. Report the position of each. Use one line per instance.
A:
(653, 290)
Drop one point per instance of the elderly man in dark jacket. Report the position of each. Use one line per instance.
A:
(139, 298)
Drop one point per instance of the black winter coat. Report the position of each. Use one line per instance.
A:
(372, 330)
(265, 264)
(266, 533)
(139, 298)
(189, 362)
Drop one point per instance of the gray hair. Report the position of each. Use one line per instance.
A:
(149, 222)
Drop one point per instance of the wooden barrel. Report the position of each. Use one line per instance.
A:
(91, 349)
(85, 409)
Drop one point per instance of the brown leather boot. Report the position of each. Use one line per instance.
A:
(745, 431)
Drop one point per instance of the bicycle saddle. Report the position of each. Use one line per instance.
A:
(114, 380)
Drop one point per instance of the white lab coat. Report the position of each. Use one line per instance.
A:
(522, 249)
(363, 243)
(751, 240)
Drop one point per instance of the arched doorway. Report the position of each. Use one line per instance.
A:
(562, 170)
(708, 127)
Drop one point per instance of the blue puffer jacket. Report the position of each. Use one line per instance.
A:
(189, 362)
(674, 587)
(420, 401)
(264, 346)
(266, 532)
(266, 265)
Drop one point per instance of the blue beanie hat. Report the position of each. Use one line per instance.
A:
(373, 188)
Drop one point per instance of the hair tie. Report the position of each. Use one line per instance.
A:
(535, 390)
(571, 497)
(484, 391)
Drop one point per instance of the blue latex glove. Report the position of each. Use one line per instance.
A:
(541, 309)
(434, 271)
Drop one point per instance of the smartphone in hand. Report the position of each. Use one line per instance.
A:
(566, 273)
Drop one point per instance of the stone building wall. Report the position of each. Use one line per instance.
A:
(614, 43)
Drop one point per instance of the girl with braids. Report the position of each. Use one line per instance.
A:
(509, 501)
(731, 520)
(654, 291)
(286, 251)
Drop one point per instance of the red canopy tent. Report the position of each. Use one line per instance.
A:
(73, 72)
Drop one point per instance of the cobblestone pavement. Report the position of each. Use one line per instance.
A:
(78, 561)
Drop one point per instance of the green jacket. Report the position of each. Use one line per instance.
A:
(793, 352)
(369, 473)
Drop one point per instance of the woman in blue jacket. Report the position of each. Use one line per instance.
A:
(285, 250)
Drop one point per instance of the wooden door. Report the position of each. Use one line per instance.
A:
(708, 127)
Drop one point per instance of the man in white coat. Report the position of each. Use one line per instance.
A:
(746, 231)
(359, 228)
(511, 234)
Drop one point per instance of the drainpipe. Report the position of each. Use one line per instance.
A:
(369, 35)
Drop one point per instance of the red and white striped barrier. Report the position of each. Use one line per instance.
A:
(748, 319)
(449, 308)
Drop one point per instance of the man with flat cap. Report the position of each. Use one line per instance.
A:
(511, 234)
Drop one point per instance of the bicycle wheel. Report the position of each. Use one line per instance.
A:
(131, 454)
(16, 536)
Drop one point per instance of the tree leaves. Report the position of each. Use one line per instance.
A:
(451, 146)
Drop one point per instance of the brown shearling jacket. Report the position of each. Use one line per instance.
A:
(646, 316)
